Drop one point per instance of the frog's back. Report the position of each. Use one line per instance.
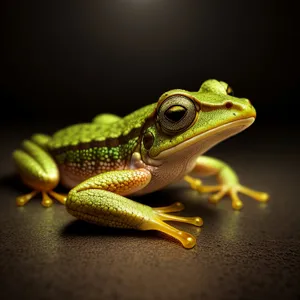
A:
(100, 132)
(84, 150)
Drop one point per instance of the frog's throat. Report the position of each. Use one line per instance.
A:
(207, 139)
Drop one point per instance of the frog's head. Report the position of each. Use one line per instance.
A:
(188, 123)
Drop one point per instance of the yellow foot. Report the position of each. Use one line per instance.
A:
(22, 200)
(227, 189)
(175, 207)
(46, 200)
(160, 215)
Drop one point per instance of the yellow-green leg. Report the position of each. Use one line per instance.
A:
(100, 199)
(227, 179)
(38, 170)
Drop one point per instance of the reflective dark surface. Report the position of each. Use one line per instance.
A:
(251, 254)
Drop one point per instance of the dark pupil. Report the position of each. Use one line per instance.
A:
(175, 113)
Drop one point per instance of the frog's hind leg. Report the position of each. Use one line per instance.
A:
(100, 199)
(38, 170)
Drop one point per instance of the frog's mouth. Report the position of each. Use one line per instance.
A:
(204, 141)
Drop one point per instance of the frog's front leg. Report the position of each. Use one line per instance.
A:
(100, 199)
(227, 179)
(38, 170)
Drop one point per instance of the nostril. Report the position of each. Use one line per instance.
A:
(228, 104)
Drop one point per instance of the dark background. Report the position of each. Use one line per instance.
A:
(64, 62)
(70, 60)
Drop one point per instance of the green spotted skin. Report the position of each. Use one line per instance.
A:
(112, 134)
(108, 209)
(94, 160)
(85, 150)
(96, 200)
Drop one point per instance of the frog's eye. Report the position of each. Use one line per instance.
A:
(176, 114)
(229, 91)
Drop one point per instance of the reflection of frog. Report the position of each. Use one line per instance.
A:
(113, 157)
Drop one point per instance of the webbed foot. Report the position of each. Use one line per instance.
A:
(231, 189)
(161, 215)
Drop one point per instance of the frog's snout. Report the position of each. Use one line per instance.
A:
(248, 108)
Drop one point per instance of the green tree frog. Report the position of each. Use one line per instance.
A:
(105, 161)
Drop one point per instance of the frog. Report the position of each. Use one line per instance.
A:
(105, 162)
